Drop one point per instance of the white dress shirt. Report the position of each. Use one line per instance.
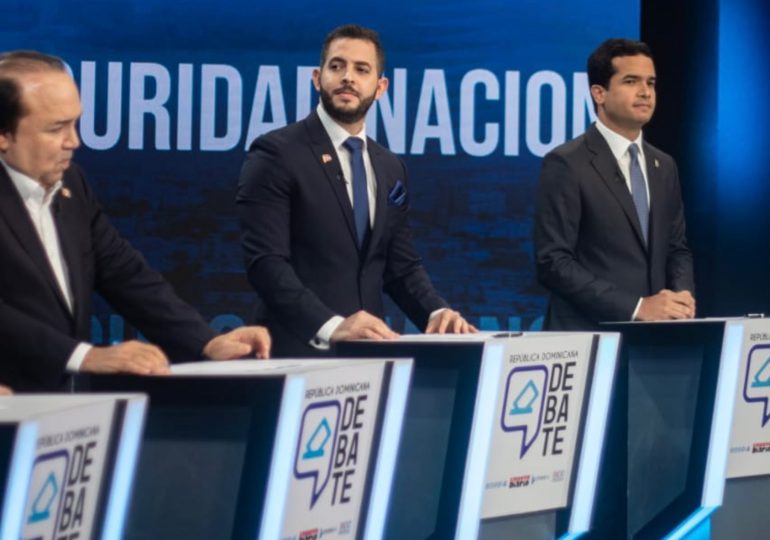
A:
(619, 147)
(37, 200)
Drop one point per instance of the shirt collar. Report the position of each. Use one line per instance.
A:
(28, 188)
(618, 143)
(336, 132)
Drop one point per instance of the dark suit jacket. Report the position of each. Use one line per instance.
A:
(299, 238)
(589, 247)
(37, 330)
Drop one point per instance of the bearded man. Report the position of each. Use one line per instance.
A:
(324, 216)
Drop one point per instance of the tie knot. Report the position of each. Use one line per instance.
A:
(633, 151)
(354, 144)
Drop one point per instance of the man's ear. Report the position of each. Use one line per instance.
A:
(598, 93)
(382, 87)
(5, 141)
(317, 79)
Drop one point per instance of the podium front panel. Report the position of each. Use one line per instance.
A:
(69, 464)
(264, 449)
(744, 510)
(493, 432)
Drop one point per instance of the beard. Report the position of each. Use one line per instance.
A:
(346, 116)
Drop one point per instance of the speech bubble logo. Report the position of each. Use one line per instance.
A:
(756, 382)
(45, 488)
(316, 444)
(523, 404)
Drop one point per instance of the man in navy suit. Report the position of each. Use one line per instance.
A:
(324, 214)
(57, 247)
(609, 232)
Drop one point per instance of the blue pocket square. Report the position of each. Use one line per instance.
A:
(397, 195)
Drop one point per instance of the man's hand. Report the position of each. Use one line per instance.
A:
(362, 325)
(239, 343)
(5, 391)
(128, 357)
(449, 321)
(667, 305)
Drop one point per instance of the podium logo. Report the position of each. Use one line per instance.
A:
(315, 448)
(756, 382)
(44, 496)
(522, 411)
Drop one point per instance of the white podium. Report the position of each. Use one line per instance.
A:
(503, 433)
(267, 449)
(67, 464)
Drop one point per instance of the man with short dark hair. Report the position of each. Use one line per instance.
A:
(57, 247)
(324, 214)
(609, 233)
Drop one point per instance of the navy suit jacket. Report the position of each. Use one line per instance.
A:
(589, 247)
(37, 331)
(299, 239)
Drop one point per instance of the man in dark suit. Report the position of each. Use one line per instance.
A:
(609, 230)
(57, 247)
(324, 215)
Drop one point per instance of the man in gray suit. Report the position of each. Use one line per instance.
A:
(609, 232)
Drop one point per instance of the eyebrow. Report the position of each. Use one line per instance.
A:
(355, 62)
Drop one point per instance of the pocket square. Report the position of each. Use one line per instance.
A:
(397, 195)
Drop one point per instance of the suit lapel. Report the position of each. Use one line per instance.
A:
(381, 200)
(66, 217)
(17, 218)
(654, 180)
(607, 166)
(326, 156)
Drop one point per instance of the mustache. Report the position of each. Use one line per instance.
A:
(348, 89)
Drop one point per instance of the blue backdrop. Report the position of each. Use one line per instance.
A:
(174, 91)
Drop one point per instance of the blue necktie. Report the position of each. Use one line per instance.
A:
(360, 195)
(639, 191)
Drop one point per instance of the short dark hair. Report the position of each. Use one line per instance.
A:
(600, 68)
(354, 31)
(12, 64)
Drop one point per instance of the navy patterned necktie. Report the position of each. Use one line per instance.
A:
(639, 190)
(360, 194)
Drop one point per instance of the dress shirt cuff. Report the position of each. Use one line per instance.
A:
(323, 337)
(77, 357)
(636, 311)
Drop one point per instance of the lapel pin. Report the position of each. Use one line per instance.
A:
(657, 164)
(66, 193)
(325, 158)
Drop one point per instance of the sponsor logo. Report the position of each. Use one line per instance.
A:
(558, 476)
(518, 481)
(345, 527)
(497, 484)
(310, 534)
(760, 447)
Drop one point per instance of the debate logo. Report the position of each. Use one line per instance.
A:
(756, 382)
(522, 411)
(316, 445)
(45, 489)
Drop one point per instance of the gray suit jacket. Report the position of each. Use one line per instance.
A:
(589, 248)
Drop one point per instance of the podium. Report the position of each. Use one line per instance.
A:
(669, 430)
(67, 464)
(502, 434)
(266, 449)
(743, 513)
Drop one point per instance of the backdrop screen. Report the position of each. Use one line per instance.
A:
(173, 93)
